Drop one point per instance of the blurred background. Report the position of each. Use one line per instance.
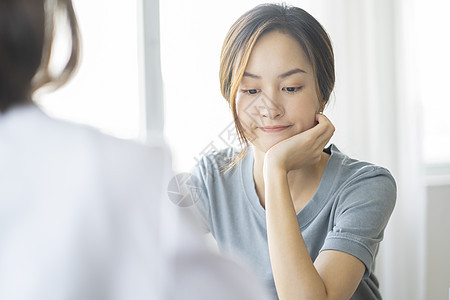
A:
(150, 70)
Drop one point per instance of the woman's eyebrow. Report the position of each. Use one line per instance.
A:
(291, 72)
(247, 74)
(284, 75)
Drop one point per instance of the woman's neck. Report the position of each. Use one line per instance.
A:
(303, 183)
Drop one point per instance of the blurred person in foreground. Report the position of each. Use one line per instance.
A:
(81, 213)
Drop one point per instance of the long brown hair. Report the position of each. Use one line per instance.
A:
(27, 31)
(243, 35)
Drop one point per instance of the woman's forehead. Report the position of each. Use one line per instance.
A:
(276, 52)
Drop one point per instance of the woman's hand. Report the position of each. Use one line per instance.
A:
(300, 150)
(293, 270)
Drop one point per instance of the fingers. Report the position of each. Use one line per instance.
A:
(306, 147)
(325, 129)
(322, 119)
(318, 136)
(325, 123)
(324, 126)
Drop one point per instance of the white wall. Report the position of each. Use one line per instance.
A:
(438, 242)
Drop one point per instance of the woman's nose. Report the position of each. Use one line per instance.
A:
(268, 107)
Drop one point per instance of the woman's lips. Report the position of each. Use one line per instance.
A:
(271, 129)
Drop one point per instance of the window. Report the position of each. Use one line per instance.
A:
(434, 64)
(105, 91)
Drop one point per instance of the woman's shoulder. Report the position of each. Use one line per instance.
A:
(217, 163)
(218, 159)
(348, 171)
(351, 167)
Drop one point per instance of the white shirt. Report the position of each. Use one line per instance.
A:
(82, 216)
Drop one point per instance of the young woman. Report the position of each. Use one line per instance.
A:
(309, 220)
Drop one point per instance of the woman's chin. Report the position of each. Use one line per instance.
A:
(265, 146)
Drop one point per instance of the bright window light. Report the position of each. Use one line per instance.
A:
(433, 47)
(105, 91)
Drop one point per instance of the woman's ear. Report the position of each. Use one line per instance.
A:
(320, 107)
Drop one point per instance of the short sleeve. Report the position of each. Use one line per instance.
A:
(364, 207)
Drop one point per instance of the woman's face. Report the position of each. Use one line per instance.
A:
(277, 97)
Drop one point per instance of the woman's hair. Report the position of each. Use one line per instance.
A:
(27, 32)
(242, 37)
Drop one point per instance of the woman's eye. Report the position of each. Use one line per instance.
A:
(251, 91)
(292, 89)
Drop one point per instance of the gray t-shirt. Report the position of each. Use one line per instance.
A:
(348, 212)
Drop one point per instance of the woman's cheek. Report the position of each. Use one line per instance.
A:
(307, 121)
(240, 103)
(243, 117)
